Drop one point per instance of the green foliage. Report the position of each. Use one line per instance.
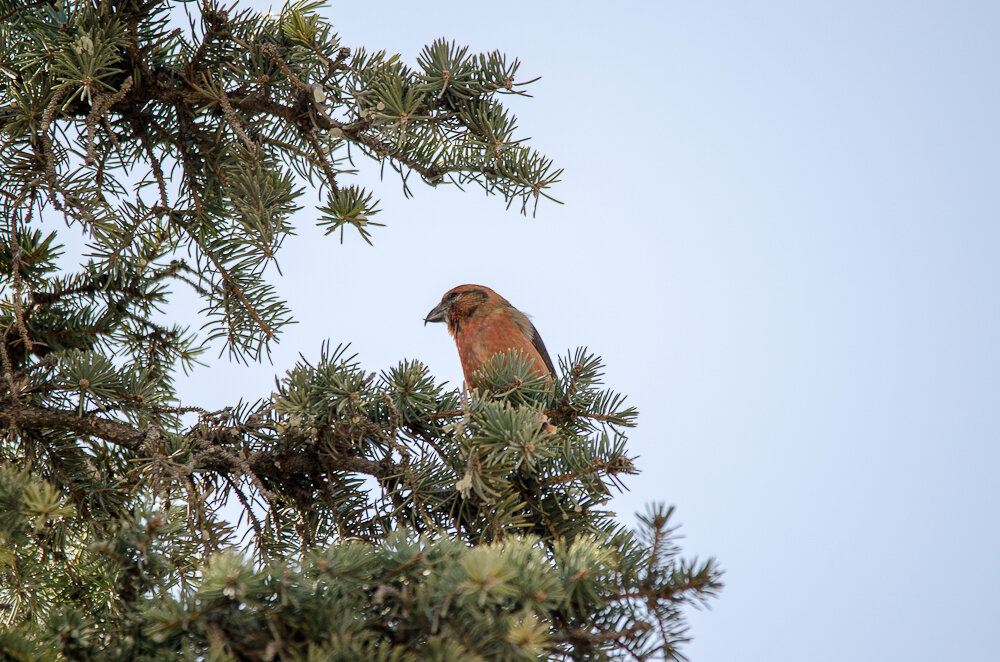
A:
(481, 465)
(101, 97)
(349, 206)
(353, 514)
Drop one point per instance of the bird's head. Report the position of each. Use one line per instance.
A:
(463, 303)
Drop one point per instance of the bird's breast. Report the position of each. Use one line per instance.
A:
(480, 339)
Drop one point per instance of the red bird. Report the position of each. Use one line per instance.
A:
(483, 323)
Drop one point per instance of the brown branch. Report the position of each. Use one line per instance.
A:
(17, 252)
(616, 466)
(342, 55)
(254, 522)
(90, 288)
(182, 122)
(216, 21)
(283, 465)
(31, 417)
(47, 155)
(438, 415)
(153, 161)
(581, 637)
(610, 418)
(8, 369)
(318, 149)
(286, 146)
(699, 583)
(234, 122)
(174, 271)
(101, 105)
(224, 456)
(272, 52)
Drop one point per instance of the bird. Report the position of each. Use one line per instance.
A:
(483, 324)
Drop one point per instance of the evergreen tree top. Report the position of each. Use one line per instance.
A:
(380, 515)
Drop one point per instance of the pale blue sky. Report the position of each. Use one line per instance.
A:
(781, 232)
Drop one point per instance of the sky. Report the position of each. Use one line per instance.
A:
(780, 230)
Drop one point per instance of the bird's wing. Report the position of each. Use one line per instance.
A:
(536, 340)
(529, 331)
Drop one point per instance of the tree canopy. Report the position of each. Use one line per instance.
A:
(379, 516)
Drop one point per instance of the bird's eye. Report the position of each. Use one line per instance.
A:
(453, 295)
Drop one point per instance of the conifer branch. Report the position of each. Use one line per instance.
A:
(229, 283)
(211, 455)
(402, 515)
(234, 121)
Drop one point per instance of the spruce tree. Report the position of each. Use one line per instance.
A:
(382, 515)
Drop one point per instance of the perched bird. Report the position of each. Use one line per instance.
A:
(483, 323)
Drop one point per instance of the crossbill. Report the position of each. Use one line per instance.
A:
(483, 323)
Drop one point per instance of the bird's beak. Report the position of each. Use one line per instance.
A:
(438, 314)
